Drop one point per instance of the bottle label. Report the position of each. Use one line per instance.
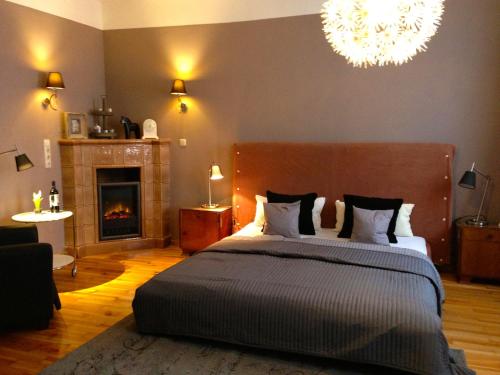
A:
(54, 200)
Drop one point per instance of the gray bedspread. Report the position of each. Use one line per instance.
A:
(360, 303)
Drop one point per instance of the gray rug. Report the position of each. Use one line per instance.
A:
(120, 350)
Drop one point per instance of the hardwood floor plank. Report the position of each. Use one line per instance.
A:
(103, 290)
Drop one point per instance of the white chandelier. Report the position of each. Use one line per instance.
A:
(380, 32)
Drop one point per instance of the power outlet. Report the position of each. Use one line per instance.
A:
(47, 153)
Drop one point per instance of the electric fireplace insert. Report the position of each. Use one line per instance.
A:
(119, 210)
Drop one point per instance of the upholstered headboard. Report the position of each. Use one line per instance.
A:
(419, 173)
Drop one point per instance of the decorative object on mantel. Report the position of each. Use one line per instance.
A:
(130, 126)
(374, 32)
(149, 129)
(214, 173)
(75, 125)
(468, 181)
(101, 115)
(179, 90)
(22, 160)
(37, 201)
(54, 82)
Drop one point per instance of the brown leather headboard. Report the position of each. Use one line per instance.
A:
(419, 173)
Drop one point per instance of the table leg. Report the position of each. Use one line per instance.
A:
(75, 252)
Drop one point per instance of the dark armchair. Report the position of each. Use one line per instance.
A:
(27, 290)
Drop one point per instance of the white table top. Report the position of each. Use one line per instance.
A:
(44, 216)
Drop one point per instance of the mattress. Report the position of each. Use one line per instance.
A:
(253, 232)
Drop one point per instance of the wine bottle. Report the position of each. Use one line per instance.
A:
(54, 198)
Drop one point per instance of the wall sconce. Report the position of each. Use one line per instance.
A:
(22, 160)
(179, 90)
(54, 82)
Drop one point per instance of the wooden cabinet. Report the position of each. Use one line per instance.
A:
(478, 251)
(201, 227)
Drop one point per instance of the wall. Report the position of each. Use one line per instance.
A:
(278, 80)
(34, 43)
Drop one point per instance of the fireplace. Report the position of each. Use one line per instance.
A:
(119, 205)
(86, 164)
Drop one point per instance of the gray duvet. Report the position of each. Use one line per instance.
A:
(355, 302)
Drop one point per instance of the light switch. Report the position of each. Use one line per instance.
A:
(47, 154)
(183, 142)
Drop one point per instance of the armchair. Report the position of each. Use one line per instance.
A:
(27, 290)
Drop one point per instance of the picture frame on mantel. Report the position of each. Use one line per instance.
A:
(75, 125)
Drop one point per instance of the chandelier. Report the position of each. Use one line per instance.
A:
(380, 32)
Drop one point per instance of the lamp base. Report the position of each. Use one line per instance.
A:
(206, 205)
(482, 222)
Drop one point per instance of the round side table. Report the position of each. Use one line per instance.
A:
(59, 260)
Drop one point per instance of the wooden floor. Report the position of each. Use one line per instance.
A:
(102, 292)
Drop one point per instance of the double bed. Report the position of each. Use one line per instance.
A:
(320, 295)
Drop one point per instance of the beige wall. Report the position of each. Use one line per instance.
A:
(33, 43)
(278, 80)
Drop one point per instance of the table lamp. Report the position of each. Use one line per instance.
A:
(214, 173)
(468, 181)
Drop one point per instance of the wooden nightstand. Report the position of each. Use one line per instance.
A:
(201, 227)
(478, 251)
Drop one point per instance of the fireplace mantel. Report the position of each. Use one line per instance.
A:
(80, 159)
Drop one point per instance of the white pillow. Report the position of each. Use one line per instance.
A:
(319, 203)
(260, 220)
(340, 211)
(403, 226)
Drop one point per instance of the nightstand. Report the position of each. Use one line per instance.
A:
(201, 227)
(478, 251)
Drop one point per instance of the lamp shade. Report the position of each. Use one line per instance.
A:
(23, 162)
(468, 180)
(178, 87)
(55, 81)
(215, 172)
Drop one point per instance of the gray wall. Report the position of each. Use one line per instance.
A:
(250, 81)
(278, 80)
(34, 43)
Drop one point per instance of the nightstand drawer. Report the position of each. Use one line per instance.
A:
(481, 234)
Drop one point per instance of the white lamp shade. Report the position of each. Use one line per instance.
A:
(215, 172)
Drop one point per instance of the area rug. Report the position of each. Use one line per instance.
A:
(120, 350)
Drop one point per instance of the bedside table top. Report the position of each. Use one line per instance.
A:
(462, 222)
(217, 209)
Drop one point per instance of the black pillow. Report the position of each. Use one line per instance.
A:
(369, 203)
(306, 225)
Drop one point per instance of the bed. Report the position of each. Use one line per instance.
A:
(319, 295)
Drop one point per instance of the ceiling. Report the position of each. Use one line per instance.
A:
(126, 14)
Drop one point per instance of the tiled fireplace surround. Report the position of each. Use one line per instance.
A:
(79, 161)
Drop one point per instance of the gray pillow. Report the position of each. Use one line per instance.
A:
(370, 226)
(282, 219)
